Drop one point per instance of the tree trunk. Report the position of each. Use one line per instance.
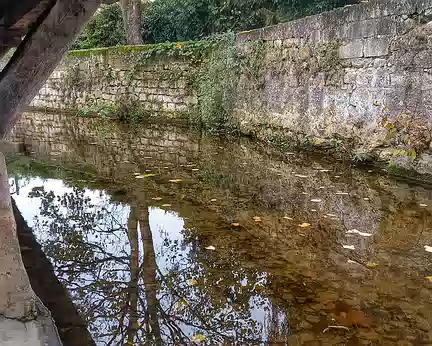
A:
(132, 21)
(134, 276)
(149, 274)
(38, 55)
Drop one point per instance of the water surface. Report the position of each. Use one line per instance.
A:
(165, 237)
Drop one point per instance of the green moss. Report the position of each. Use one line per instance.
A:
(189, 49)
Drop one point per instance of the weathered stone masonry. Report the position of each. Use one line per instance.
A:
(102, 79)
(357, 79)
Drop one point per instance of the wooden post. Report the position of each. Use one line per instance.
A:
(38, 55)
(24, 320)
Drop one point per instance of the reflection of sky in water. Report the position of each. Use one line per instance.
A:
(164, 226)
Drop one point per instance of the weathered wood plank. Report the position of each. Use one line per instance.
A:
(38, 55)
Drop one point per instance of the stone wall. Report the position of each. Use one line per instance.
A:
(111, 77)
(356, 80)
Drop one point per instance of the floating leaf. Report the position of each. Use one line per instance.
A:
(288, 218)
(149, 175)
(349, 247)
(195, 169)
(423, 205)
(331, 215)
(198, 338)
(355, 231)
(213, 200)
(257, 219)
(366, 199)
(166, 205)
(210, 247)
(176, 180)
(137, 173)
(337, 176)
(192, 282)
(139, 177)
(316, 200)
(428, 248)
(355, 318)
(304, 225)
(235, 224)
(372, 265)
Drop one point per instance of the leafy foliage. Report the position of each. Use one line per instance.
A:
(217, 82)
(104, 30)
(181, 20)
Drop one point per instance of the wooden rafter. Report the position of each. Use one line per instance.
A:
(38, 55)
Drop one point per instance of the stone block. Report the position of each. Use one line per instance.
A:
(376, 46)
(353, 49)
(386, 26)
(351, 31)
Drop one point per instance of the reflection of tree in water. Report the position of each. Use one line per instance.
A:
(132, 293)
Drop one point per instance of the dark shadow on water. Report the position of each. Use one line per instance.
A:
(71, 327)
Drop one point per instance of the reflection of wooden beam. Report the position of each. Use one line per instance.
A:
(38, 55)
(72, 328)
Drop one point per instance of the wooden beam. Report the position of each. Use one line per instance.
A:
(38, 55)
(16, 10)
(11, 37)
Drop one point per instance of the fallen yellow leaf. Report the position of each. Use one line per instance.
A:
(176, 180)
(149, 175)
(180, 45)
(304, 225)
(288, 218)
(429, 278)
(198, 338)
(235, 224)
(372, 265)
(192, 282)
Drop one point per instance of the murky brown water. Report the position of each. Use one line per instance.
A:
(163, 237)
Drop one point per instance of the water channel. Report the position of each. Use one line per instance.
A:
(162, 236)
